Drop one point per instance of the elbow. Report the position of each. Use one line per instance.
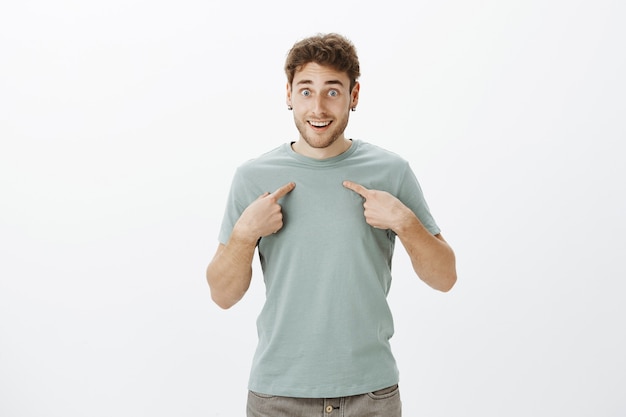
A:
(443, 278)
(448, 278)
(225, 297)
(440, 281)
(440, 272)
(449, 274)
(218, 295)
(446, 284)
(222, 302)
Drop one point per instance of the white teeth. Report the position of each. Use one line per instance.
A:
(319, 124)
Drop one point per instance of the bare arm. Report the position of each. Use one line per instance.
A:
(432, 258)
(230, 271)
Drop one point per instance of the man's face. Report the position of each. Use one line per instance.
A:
(321, 101)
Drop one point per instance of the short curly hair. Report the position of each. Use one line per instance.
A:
(331, 49)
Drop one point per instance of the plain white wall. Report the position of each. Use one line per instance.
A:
(122, 123)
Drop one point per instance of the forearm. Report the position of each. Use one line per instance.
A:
(432, 258)
(230, 272)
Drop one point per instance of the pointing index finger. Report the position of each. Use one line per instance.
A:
(283, 191)
(357, 188)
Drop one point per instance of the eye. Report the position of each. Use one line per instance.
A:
(333, 93)
(306, 93)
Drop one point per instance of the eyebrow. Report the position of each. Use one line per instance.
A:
(329, 82)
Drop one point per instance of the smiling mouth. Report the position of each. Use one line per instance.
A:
(319, 124)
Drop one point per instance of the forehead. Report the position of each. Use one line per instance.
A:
(314, 73)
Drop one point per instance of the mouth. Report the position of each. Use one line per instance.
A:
(319, 125)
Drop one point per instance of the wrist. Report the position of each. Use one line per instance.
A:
(407, 221)
(242, 235)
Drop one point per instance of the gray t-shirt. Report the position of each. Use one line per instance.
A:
(325, 327)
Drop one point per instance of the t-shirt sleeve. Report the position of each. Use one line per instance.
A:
(411, 195)
(235, 205)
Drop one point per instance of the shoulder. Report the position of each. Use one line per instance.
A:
(380, 155)
(267, 159)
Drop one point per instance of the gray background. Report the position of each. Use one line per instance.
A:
(122, 123)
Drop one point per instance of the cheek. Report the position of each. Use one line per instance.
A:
(299, 102)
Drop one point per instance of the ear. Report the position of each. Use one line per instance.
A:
(288, 98)
(355, 94)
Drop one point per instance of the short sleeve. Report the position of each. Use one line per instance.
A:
(411, 195)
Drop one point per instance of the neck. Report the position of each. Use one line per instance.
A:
(336, 148)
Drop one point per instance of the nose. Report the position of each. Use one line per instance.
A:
(319, 107)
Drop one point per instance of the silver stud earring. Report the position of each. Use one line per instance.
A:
(289, 108)
(353, 109)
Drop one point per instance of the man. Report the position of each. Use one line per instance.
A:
(325, 237)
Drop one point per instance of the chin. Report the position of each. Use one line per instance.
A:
(319, 144)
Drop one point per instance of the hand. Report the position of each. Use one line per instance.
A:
(381, 209)
(264, 215)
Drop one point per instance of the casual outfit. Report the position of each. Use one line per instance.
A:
(325, 327)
